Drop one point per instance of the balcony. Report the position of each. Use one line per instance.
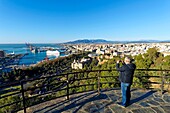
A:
(88, 92)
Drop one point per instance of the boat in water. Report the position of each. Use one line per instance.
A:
(53, 53)
(12, 53)
(35, 50)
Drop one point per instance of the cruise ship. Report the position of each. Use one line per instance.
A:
(53, 53)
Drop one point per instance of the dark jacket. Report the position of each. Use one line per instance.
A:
(126, 72)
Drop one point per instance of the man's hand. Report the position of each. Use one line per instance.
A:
(118, 61)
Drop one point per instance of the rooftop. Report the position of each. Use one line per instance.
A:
(142, 101)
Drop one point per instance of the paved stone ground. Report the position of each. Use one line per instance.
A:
(142, 101)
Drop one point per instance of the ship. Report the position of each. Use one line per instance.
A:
(53, 53)
(12, 53)
(34, 50)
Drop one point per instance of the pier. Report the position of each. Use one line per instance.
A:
(35, 49)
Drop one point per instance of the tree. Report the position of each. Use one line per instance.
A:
(166, 63)
(140, 62)
(152, 54)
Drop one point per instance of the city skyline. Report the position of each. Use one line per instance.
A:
(57, 21)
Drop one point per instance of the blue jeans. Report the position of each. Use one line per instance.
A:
(125, 88)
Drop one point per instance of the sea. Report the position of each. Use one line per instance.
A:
(29, 58)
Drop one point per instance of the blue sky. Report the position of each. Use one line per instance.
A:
(53, 21)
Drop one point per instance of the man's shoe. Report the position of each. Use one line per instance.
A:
(120, 103)
(124, 105)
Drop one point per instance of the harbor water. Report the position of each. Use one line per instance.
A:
(29, 58)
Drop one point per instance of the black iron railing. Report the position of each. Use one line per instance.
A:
(26, 93)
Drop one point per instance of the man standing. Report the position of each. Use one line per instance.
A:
(126, 78)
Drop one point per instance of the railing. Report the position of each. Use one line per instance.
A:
(26, 93)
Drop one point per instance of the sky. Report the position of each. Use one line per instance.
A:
(57, 21)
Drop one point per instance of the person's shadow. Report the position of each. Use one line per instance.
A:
(141, 97)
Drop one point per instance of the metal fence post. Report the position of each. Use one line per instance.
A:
(67, 87)
(23, 97)
(162, 83)
(98, 82)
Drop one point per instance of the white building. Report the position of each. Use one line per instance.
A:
(80, 64)
(99, 51)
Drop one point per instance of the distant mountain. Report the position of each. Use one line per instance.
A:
(88, 41)
(99, 41)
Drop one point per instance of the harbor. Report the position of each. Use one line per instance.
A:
(24, 55)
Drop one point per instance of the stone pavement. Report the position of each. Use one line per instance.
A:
(142, 101)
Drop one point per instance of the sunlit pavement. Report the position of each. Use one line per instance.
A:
(142, 101)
